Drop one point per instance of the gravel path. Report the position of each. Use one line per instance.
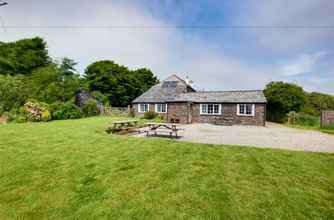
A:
(271, 136)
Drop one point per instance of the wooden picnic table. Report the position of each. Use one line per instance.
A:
(168, 127)
(125, 124)
(119, 126)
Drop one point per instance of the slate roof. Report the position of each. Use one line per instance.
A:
(175, 89)
(165, 90)
(246, 96)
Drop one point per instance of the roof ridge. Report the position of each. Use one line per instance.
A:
(176, 77)
(250, 90)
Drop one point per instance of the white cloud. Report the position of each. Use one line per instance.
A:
(165, 51)
(305, 63)
(300, 13)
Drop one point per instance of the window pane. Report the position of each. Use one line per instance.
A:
(216, 109)
(161, 108)
(241, 109)
(210, 109)
(204, 108)
(248, 109)
(143, 107)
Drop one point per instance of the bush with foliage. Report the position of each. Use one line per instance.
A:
(13, 93)
(303, 119)
(63, 111)
(101, 98)
(91, 108)
(35, 111)
(282, 98)
(17, 116)
(53, 83)
(329, 127)
(316, 102)
(150, 115)
(132, 113)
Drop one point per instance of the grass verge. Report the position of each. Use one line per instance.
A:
(74, 170)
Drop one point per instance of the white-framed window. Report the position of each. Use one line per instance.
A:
(246, 109)
(143, 108)
(210, 109)
(161, 108)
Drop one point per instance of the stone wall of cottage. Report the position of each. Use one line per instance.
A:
(151, 108)
(178, 112)
(190, 113)
(229, 116)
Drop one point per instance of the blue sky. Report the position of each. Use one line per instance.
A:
(215, 58)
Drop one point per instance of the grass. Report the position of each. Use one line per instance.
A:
(328, 130)
(74, 170)
(308, 122)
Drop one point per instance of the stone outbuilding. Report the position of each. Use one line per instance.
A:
(178, 102)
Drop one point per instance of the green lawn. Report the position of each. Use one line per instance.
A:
(328, 130)
(73, 170)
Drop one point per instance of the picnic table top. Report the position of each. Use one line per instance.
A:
(124, 122)
(156, 123)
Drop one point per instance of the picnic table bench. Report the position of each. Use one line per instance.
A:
(163, 128)
(122, 126)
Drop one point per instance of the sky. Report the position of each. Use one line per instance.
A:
(219, 44)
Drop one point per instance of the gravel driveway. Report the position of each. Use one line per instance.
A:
(271, 136)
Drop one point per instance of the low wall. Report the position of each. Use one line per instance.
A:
(327, 118)
(116, 110)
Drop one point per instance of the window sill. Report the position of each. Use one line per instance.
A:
(245, 115)
(210, 114)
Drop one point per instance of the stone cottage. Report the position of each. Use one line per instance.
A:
(178, 102)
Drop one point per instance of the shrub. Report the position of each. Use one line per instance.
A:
(329, 127)
(90, 108)
(101, 98)
(15, 116)
(132, 113)
(35, 111)
(303, 119)
(150, 115)
(67, 110)
(13, 93)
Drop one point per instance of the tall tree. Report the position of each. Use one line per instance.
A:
(146, 78)
(316, 102)
(54, 83)
(23, 56)
(283, 98)
(120, 84)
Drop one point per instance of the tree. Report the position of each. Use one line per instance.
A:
(117, 82)
(67, 67)
(146, 79)
(23, 56)
(54, 83)
(13, 93)
(316, 102)
(283, 98)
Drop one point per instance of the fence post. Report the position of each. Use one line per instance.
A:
(322, 119)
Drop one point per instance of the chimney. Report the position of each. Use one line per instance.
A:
(189, 81)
